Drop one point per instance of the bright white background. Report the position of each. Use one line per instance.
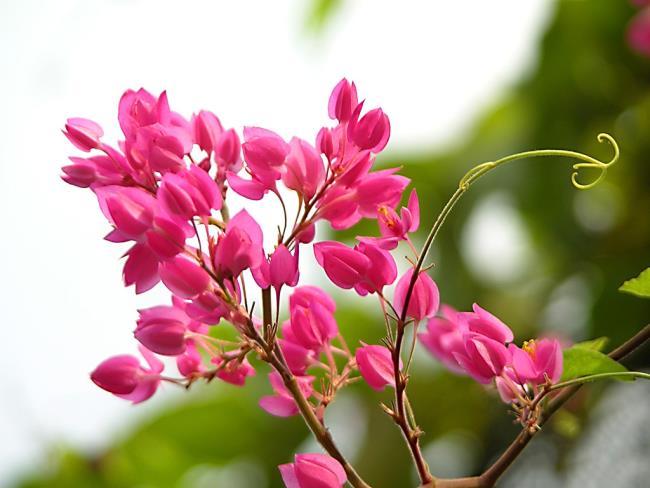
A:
(432, 66)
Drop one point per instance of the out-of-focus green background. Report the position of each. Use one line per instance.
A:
(575, 249)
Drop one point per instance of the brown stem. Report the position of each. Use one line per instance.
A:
(411, 433)
(273, 355)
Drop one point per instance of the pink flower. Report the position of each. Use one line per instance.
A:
(313, 471)
(264, 153)
(141, 268)
(312, 318)
(371, 131)
(162, 329)
(304, 170)
(393, 227)
(343, 101)
(207, 128)
(339, 206)
(83, 133)
(227, 152)
(425, 297)
(536, 360)
(482, 358)
(189, 193)
(344, 266)
(167, 236)
(281, 269)
(240, 247)
(638, 32)
(444, 336)
(298, 357)
(380, 189)
(183, 277)
(380, 273)
(189, 362)
(126, 378)
(131, 210)
(282, 403)
(484, 323)
(235, 372)
(376, 366)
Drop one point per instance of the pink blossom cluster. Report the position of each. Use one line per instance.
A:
(164, 190)
(480, 345)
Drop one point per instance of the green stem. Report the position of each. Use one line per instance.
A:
(599, 376)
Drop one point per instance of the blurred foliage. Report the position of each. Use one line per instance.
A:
(584, 245)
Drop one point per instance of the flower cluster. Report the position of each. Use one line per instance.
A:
(480, 345)
(164, 190)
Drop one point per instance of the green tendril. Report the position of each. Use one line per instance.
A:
(477, 171)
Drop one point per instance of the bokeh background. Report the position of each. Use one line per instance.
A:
(463, 83)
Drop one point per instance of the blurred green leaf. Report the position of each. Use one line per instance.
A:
(639, 286)
(594, 344)
(320, 12)
(582, 361)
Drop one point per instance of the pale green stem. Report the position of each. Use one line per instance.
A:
(600, 376)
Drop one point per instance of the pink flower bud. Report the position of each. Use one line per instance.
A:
(445, 335)
(235, 372)
(130, 210)
(343, 101)
(312, 318)
(425, 297)
(306, 235)
(484, 323)
(283, 267)
(264, 152)
(376, 366)
(126, 378)
(83, 133)
(304, 169)
(371, 132)
(282, 403)
(207, 129)
(190, 361)
(382, 271)
(141, 268)
(344, 266)
(240, 247)
(313, 471)
(162, 329)
(161, 148)
(482, 358)
(325, 143)
(167, 237)
(228, 151)
(81, 173)
(183, 277)
(339, 205)
(297, 356)
(189, 193)
(381, 188)
(536, 360)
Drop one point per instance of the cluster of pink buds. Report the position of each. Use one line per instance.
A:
(164, 190)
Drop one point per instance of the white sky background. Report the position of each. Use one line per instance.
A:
(432, 66)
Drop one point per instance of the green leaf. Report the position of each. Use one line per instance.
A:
(639, 286)
(594, 344)
(583, 361)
